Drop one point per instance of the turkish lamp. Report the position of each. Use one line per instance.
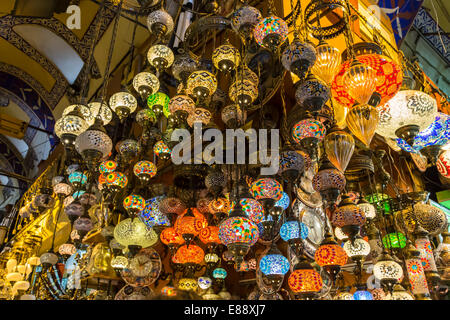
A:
(329, 182)
(399, 293)
(201, 84)
(312, 93)
(94, 144)
(299, 57)
(362, 121)
(339, 147)
(330, 256)
(102, 110)
(348, 217)
(118, 263)
(271, 32)
(328, 60)
(123, 104)
(226, 58)
(274, 266)
(48, 259)
(145, 171)
(245, 19)
(369, 209)
(357, 250)
(360, 81)
(243, 92)
(145, 83)
(304, 281)
(160, 56)
(160, 23)
(387, 271)
(68, 127)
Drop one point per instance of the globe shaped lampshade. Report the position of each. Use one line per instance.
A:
(172, 205)
(123, 103)
(190, 223)
(62, 189)
(271, 32)
(330, 255)
(394, 240)
(298, 58)
(189, 254)
(252, 208)
(85, 111)
(308, 129)
(267, 188)
(292, 164)
(94, 144)
(144, 170)
(357, 250)
(102, 111)
(181, 104)
(183, 66)
(432, 219)
(160, 56)
(160, 23)
(284, 202)
(243, 92)
(116, 181)
(348, 216)
(305, 281)
(443, 164)
(135, 233)
(233, 116)
(68, 127)
(368, 209)
(199, 115)
(293, 230)
(77, 179)
(152, 216)
(245, 19)
(107, 166)
(226, 57)
(339, 147)
(219, 273)
(362, 295)
(162, 150)
(159, 103)
(201, 83)
(133, 203)
(312, 93)
(274, 264)
(170, 237)
(387, 270)
(145, 83)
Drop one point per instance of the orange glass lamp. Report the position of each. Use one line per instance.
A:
(304, 281)
(362, 121)
(190, 257)
(349, 217)
(330, 256)
(171, 239)
(189, 224)
(210, 236)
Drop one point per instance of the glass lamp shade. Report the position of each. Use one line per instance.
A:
(183, 66)
(134, 232)
(238, 230)
(416, 276)
(388, 75)
(252, 208)
(107, 166)
(362, 121)
(93, 143)
(426, 254)
(49, 259)
(226, 57)
(308, 128)
(190, 223)
(283, 202)
(437, 134)
(161, 149)
(145, 170)
(305, 281)
(344, 296)
(123, 103)
(67, 249)
(219, 273)
(62, 189)
(360, 81)
(274, 264)
(134, 203)
(432, 219)
(387, 270)
(88, 198)
(77, 178)
(362, 295)
(172, 205)
(233, 116)
(159, 102)
(189, 254)
(128, 148)
(298, 58)
(43, 200)
(245, 19)
(245, 73)
(215, 181)
(443, 164)
(160, 56)
(211, 258)
(330, 255)
(145, 83)
(160, 23)
(152, 215)
(201, 83)
(74, 209)
(119, 262)
(243, 92)
(68, 127)
(359, 248)
(72, 168)
(271, 32)
(312, 93)
(266, 188)
(88, 116)
(406, 108)
(292, 163)
(181, 103)
(395, 240)
(187, 284)
(339, 147)
(170, 237)
(348, 214)
(293, 230)
(368, 209)
(116, 181)
(145, 117)
(204, 283)
(209, 234)
(200, 115)
(101, 110)
(14, 276)
(328, 60)
(83, 224)
(327, 179)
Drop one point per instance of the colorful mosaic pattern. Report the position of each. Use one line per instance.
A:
(107, 166)
(238, 230)
(389, 78)
(226, 52)
(328, 179)
(267, 188)
(116, 179)
(270, 26)
(245, 15)
(181, 103)
(330, 255)
(172, 205)
(209, 234)
(159, 99)
(160, 147)
(151, 215)
(292, 160)
(252, 208)
(394, 240)
(362, 295)
(219, 273)
(426, 254)
(191, 254)
(293, 230)
(190, 224)
(349, 215)
(203, 79)
(274, 264)
(77, 177)
(219, 205)
(416, 276)
(443, 164)
(283, 202)
(308, 128)
(305, 281)
(169, 236)
(145, 167)
(134, 202)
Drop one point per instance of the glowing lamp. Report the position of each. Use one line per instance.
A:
(159, 103)
(160, 56)
(298, 58)
(133, 204)
(123, 103)
(116, 181)
(226, 57)
(107, 166)
(189, 224)
(271, 32)
(201, 83)
(145, 170)
(189, 254)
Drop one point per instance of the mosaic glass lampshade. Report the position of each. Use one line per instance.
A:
(284, 201)
(160, 56)
(119, 262)
(271, 32)
(339, 147)
(407, 109)
(388, 78)
(190, 223)
(200, 115)
(74, 210)
(211, 258)
(160, 23)
(219, 205)
(432, 219)
(443, 164)
(226, 57)
(134, 203)
(394, 240)
(67, 249)
(219, 273)
(368, 209)
(293, 230)
(132, 232)
(245, 19)
(344, 296)
(360, 81)
(328, 60)
(116, 181)
(312, 93)
(128, 148)
(145, 117)
(83, 225)
(88, 199)
(162, 150)
(172, 205)
(77, 178)
(62, 189)
(159, 103)
(399, 293)
(305, 280)
(416, 274)
(362, 295)
(330, 255)
(252, 208)
(329, 182)
(145, 83)
(274, 264)
(245, 73)
(152, 215)
(101, 110)
(209, 235)
(201, 83)
(181, 103)
(243, 92)
(170, 237)
(423, 244)
(183, 66)
(308, 128)
(233, 116)
(123, 104)
(267, 188)
(85, 111)
(348, 216)
(437, 134)
(359, 249)
(292, 164)
(298, 58)
(189, 254)
(387, 270)
(145, 170)
(107, 166)
(68, 127)
(362, 121)
(94, 144)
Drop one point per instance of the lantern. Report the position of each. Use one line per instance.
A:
(443, 164)
(201, 83)
(339, 147)
(102, 111)
(144, 170)
(304, 280)
(123, 103)
(107, 166)
(387, 270)
(160, 23)
(360, 81)
(298, 58)
(226, 57)
(134, 204)
(348, 217)
(116, 181)
(328, 60)
(271, 32)
(68, 127)
(94, 144)
(362, 121)
(159, 103)
(245, 19)
(312, 93)
(189, 224)
(160, 56)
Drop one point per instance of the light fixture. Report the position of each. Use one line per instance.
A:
(339, 147)
(144, 170)
(160, 23)
(362, 122)
(271, 32)
(298, 58)
(226, 57)
(387, 271)
(201, 83)
(145, 83)
(328, 60)
(160, 56)
(123, 104)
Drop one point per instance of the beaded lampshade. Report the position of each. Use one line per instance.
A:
(238, 230)
(348, 214)
(200, 115)
(116, 181)
(145, 83)
(107, 166)
(243, 92)
(267, 188)
(293, 230)
(252, 208)
(152, 215)
(312, 94)
(274, 264)
(308, 128)
(144, 170)
(181, 103)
